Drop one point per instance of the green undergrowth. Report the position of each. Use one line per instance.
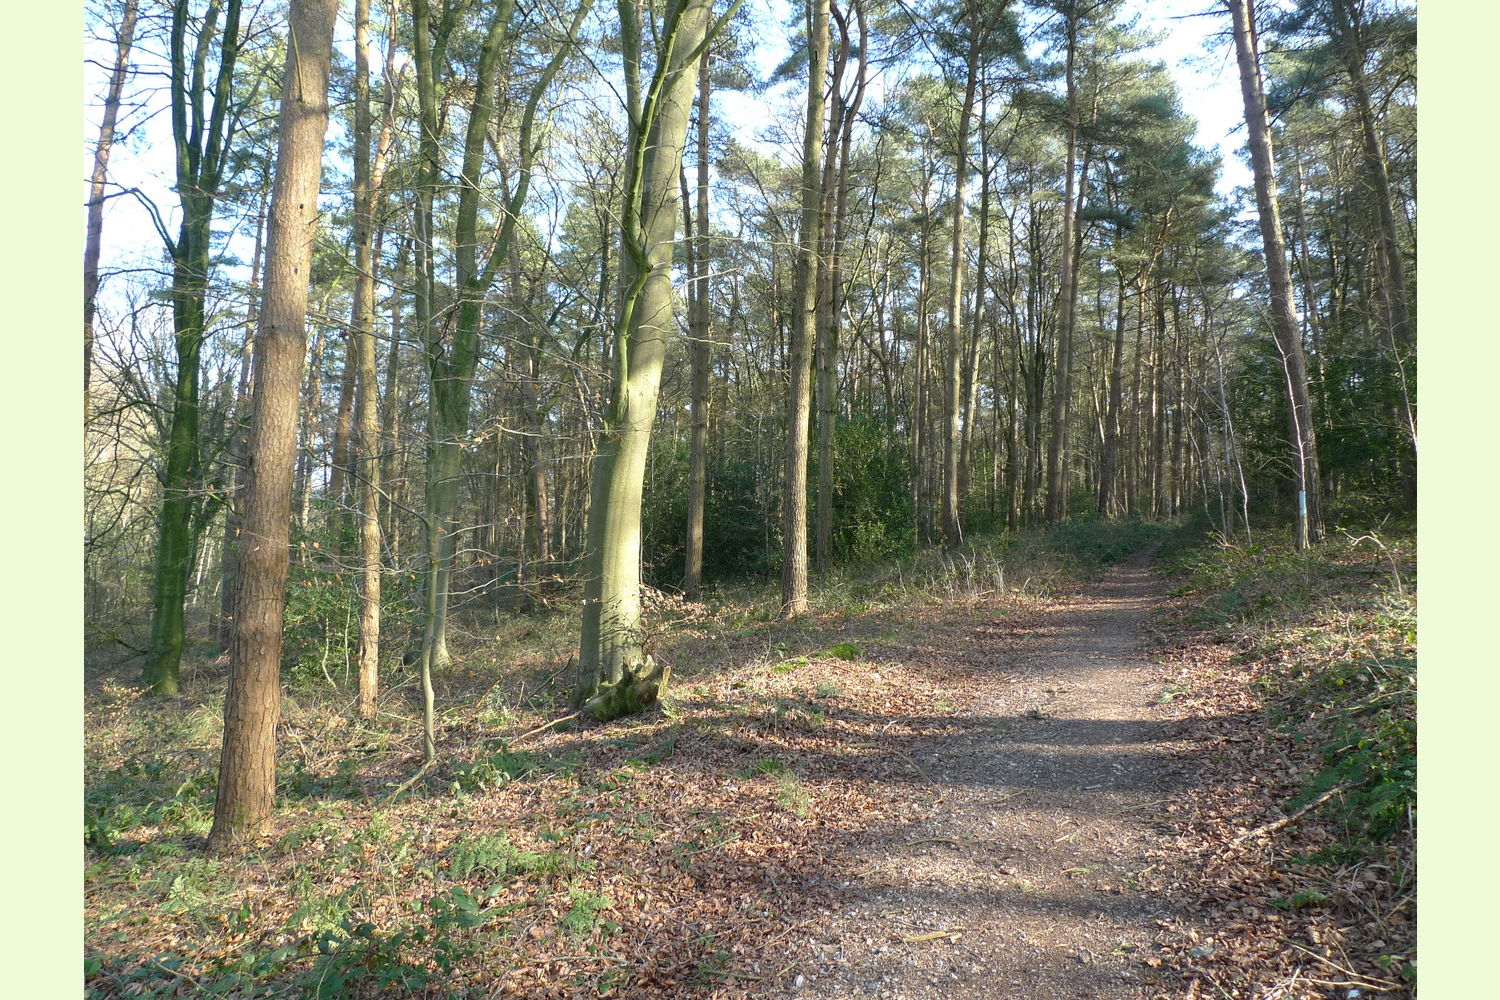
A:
(338, 954)
(1332, 632)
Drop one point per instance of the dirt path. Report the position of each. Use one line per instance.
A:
(1035, 852)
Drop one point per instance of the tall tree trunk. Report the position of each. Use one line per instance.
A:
(1393, 286)
(692, 577)
(95, 228)
(1063, 359)
(1391, 265)
(390, 422)
(1133, 439)
(831, 291)
(239, 441)
(452, 361)
(611, 634)
(1304, 455)
(1107, 472)
(829, 353)
(804, 326)
(972, 358)
(952, 529)
(1182, 364)
(343, 426)
(247, 765)
(367, 189)
(1158, 409)
(308, 444)
(201, 143)
(538, 534)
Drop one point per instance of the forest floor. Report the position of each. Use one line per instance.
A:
(937, 785)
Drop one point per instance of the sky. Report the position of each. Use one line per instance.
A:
(1203, 66)
(1200, 61)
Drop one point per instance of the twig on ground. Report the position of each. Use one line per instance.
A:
(1266, 828)
(409, 781)
(932, 936)
(544, 728)
(1359, 979)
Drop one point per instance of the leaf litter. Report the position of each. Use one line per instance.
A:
(978, 799)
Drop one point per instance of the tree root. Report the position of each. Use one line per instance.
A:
(639, 686)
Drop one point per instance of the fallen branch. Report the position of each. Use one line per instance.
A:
(542, 729)
(1261, 831)
(409, 781)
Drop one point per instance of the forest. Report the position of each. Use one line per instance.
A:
(736, 498)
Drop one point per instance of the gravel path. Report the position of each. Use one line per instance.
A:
(1031, 868)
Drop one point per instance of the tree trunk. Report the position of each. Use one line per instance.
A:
(1158, 408)
(804, 327)
(247, 766)
(610, 647)
(972, 359)
(390, 422)
(239, 441)
(1304, 457)
(95, 227)
(452, 361)
(239, 447)
(1107, 472)
(1391, 266)
(202, 154)
(343, 426)
(179, 475)
(952, 529)
(367, 184)
(692, 577)
(1063, 358)
(538, 531)
(831, 292)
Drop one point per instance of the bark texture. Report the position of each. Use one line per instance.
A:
(252, 706)
(611, 636)
(953, 428)
(804, 329)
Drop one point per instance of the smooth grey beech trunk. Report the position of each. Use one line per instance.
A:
(452, 359)
(611, 638)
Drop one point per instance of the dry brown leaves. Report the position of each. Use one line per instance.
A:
(1279, 925)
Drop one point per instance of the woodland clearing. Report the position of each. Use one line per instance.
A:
(936, 785)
